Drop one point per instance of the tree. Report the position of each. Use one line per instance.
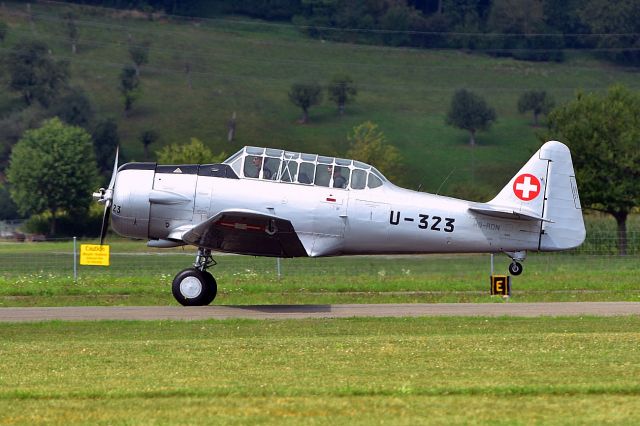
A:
(139, 54)
(396, 21)
(368, 144)
(516, 16)
(618, 28)
(72, 29)
(192, 153)
(8, 209)
(470, 112)
(603, 132)
(105, 141)
(3, 30)
(129, 87)
(74, 108)
(536, 101)
(35, 74)
(52, 169)
(305, 95)
(525, 18)
(564, 17)
(147, 138)
(13, 126)
(342, 90)
(464, 16)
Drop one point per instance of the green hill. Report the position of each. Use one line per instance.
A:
(247, 67)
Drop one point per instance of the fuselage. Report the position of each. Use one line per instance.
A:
(154, 202)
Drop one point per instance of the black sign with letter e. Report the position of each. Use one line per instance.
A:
(500, 285)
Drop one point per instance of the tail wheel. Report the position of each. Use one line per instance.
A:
(515, 268)
(192, 287)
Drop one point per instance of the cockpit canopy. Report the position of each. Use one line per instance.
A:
(306, 169)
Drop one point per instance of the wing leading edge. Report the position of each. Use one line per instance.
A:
(247, 232)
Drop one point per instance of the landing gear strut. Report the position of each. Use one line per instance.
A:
(516, 268)
(195, 286)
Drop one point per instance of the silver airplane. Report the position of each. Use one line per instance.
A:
(271, 202)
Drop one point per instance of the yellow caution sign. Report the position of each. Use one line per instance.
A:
(94, 254)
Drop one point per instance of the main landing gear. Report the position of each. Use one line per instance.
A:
(195, 286)
(516, 268)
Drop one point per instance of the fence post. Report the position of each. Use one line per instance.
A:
(491, 263)
(278, 267)
(75, 263)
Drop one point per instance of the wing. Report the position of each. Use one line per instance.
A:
(247, 232)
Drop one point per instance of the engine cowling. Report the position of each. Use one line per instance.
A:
(131, 206)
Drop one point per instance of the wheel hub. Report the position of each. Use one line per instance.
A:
(191, 287)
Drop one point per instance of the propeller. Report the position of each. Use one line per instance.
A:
(105, 196)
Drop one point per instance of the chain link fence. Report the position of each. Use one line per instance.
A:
(60, 257)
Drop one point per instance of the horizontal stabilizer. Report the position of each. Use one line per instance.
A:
(507, 213)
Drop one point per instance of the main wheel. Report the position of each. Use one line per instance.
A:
(192, 287)
(515, 268)
(212, 287)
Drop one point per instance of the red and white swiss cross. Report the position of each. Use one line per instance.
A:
(526, 187)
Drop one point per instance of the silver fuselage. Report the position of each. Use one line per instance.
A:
(272, 202)
(328, 221)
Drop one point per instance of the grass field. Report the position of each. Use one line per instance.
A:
(41, 274)
(245, 66)
(45, 278)
(357, 371)
(407, 371)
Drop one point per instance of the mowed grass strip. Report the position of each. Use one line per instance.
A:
(355, 371)
(145, 279)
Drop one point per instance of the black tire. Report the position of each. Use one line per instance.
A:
(192, 287)
(515, 268)
(212, 287)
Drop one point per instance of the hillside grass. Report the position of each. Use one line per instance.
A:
(349, 371)
(247, 66)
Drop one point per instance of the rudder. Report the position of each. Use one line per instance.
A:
(565, 227)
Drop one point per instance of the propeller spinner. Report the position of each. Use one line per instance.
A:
(105, 196)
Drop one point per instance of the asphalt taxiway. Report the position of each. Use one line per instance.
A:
(142, 313)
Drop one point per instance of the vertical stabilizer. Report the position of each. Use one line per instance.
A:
(565, 228)
(546, 188)
(525, 191)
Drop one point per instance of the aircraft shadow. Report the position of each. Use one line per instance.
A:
(284, 309)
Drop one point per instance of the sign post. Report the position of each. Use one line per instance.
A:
(75, 260)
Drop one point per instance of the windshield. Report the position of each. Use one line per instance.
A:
(306, 169)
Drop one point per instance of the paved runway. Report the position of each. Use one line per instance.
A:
(95, 313)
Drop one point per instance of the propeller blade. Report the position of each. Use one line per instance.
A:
(112, 182)
(105, 221)
(107, 197)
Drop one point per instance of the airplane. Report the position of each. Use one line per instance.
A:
(273, 202)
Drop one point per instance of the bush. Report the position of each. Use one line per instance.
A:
(67, 224)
